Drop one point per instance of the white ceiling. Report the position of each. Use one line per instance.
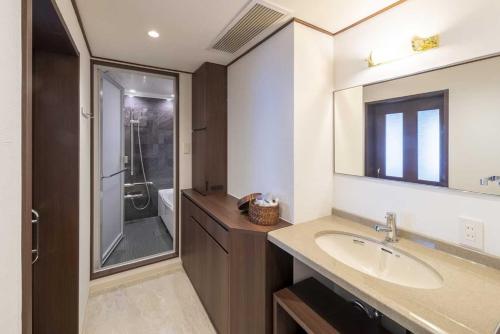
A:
(117, 29)
(137, 83)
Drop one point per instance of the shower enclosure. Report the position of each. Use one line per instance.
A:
(135, 153)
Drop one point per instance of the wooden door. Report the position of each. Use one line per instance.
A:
(51, 137)
(199, 98)
(402, 116)
(188, 245)
(199, 161)
(207, 265)
(216, 283)
(55, 192)
(210, 276)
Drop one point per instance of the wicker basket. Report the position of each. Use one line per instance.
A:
(244, 202)
(263, 215)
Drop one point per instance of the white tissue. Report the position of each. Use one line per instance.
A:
(266, 200)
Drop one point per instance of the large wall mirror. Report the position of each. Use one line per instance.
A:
(438, 128)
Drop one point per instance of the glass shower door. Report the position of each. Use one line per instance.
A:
(135, 201)
(112, 167)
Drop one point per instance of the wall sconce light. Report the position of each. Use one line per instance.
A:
(418, 44)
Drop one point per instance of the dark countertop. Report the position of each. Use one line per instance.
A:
(224, 209)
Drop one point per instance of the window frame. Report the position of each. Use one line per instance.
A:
(410, 106)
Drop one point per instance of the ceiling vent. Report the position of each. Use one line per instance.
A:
(257, 17)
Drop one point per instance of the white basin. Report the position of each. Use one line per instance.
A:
(379, 260)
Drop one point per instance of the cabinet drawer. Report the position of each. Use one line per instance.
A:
(216, 230)
(198, 214)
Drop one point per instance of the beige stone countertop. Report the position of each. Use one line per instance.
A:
(468, 301)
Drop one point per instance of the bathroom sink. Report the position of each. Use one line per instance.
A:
(379, 260)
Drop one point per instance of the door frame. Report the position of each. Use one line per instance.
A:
(26, 166)
(26, 154)
(149, 260)
(103, 76)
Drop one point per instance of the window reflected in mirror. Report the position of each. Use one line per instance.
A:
(436, 128)
(406, 139)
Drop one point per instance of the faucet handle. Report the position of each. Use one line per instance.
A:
(382, 228)
(390, 215)
(484, 181)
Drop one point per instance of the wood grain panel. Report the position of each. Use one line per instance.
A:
(55, 191)
(235, 287)
(199, 118)
(224, 209)
(199, 161)
(210, 128)
(317, 309)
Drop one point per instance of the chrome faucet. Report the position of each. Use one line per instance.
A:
(486, 180)
(390, 227)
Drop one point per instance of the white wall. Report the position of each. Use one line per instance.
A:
(430, 211)
(313, 124)
(185, 156)
(260, 121)
(349, 132)
(280, 122)
(468, 30)
(10, 168)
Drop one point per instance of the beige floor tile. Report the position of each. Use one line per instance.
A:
(165, 304)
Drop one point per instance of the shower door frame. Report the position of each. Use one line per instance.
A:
(102, 272)
(103, 76)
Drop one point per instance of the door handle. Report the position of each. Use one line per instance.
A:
(35, 221)
(111, 175)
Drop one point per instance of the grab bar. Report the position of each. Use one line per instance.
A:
(133, 196)
(127, 185)
(111, 175)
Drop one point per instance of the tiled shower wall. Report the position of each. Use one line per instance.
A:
(157, 139)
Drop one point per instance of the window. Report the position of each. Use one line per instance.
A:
(407, 139)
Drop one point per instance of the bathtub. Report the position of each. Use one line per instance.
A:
(166, 209)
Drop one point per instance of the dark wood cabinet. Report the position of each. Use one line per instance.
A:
(199, 95)
(199, 168)
(232, 266)
(311, 307)
(207, 265)
(209, 123)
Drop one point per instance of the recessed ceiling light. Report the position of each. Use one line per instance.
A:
(153, 34)
(131, 91)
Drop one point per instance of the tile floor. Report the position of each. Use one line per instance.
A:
(165, 304)
(141, 237)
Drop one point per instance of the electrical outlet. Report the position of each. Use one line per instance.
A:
(471, 233)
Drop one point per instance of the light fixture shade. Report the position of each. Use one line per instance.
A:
(396, 51)
(388, 54)
(153, 34)
(420, 44)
